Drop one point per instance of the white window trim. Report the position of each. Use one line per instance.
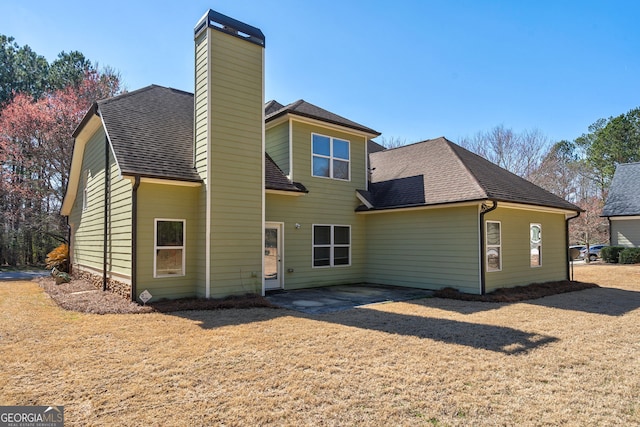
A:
(156, 247)
(85, 190)
(330, 157)
(539, 245)
(488, 246)
(331, 246)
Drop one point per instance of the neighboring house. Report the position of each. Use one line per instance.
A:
(622, 208)
(218, 193)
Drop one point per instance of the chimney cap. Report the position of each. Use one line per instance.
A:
(225, 24)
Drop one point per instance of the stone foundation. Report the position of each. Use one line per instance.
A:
(113, 286)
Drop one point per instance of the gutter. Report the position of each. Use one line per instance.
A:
(134, 239)
(483, 272)
(566, 230)
(69, 263)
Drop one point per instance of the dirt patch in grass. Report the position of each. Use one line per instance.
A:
(81, 296)
(518, 293)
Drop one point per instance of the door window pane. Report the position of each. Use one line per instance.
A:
(271, 254)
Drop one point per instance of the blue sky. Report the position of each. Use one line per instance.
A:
(409, 69)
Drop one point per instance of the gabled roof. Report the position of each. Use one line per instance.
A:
(151, 132)
(438, 171)
(624, 193)
(271, 107)
(303, 108)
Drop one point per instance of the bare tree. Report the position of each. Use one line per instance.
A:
(520, 153)
(392, 142)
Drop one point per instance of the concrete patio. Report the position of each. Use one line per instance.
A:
(342, 297)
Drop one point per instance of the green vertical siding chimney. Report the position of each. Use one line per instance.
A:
(229, 153)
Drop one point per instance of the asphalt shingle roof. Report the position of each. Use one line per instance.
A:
(151, 132)
(275, 179)
(438, 171)
(306, 109)
(624, 193)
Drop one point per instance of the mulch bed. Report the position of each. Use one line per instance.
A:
(518, 293)
(81, 296)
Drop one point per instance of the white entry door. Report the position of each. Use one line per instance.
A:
(272, 256)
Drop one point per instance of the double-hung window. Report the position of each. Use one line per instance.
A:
(331, 245)
(535, 243)
(331, 157)
(169, 259)
(494, 246)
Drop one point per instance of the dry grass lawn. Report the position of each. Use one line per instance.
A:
(568, 359)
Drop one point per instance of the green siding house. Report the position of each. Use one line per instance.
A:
(219, 193)
(622, 207)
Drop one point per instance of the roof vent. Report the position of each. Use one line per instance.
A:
(225, 24)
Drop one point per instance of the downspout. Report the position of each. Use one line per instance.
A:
(134, 239)
(70, 270)
(566, 231)
(107, 180)
(483, 211)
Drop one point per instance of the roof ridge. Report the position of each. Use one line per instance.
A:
(387, 150)
(295, 104)
(139, 91)
(126, 94)
(450, 145)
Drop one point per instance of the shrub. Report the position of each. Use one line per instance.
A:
(630, 256)
(59, 258)
(610, 253)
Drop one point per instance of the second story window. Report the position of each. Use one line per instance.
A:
(330, 157)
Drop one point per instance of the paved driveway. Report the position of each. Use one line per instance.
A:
(336, 298)
(23, 274)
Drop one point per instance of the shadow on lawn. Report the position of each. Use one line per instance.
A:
(599, 300)
(485, 337)
(609, 301)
